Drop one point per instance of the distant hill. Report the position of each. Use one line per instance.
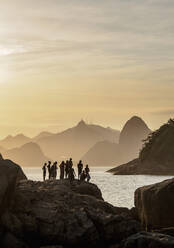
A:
(131, 137)
(29, 155)
(76, 141)
(2, 149)
(107, 134)
(41, 135)
(156, 156)
(130, 143)
(14, 141)
(103, 153)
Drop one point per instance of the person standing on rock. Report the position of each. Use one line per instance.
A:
(49, 169)
(62, 170)
(72, 174)
(66, 169)
(44, 171)
(87, 170)
(79, 168)
(70, 163)
(52, 171)
(55, 170)
(82, 176)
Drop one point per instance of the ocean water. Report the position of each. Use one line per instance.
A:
(117, 190)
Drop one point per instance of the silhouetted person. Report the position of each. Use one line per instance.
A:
(55, 170)
(66, 169)
(49, 169)
(72, 174)
(87, 170)
(82, 176)
(70, 163)
(52, 172)
(80, 168)
(62, 170)
(44, 171)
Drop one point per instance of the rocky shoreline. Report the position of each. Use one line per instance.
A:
(137, 167)
(156, 156)
(54, 214)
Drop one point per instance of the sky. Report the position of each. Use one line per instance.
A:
(102, 61)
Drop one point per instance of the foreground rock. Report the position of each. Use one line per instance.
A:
(57, 213)
(155, 204)
(10, 175)
(148, 240)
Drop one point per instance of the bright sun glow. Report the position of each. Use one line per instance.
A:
(6, 51)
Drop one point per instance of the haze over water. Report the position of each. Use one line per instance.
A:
(117, 190)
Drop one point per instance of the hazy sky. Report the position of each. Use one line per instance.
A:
(101, 60)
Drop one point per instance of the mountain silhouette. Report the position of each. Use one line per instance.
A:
(75, 142)
(95, 144)
(41, 135)
(29, 155)
(103, 153)
(156, 156)
(14, 141)
(2, 149)
(131, 140)
(131, 137)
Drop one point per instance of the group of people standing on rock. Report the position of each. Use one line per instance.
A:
(66, 171)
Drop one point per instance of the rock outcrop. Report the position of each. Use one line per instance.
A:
(137, 167)
(148, 240)
(155, 204)
(156, 157)
(58, 213)
(10, 175)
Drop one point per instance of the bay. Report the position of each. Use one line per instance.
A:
(117, 190)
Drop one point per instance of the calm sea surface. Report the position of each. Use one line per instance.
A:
(117, 190)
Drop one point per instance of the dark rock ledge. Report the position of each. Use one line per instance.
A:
(56, 214)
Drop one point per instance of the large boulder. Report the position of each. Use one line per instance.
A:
(155, 204)
(58, 213)
(10, 175)
(148, 240)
